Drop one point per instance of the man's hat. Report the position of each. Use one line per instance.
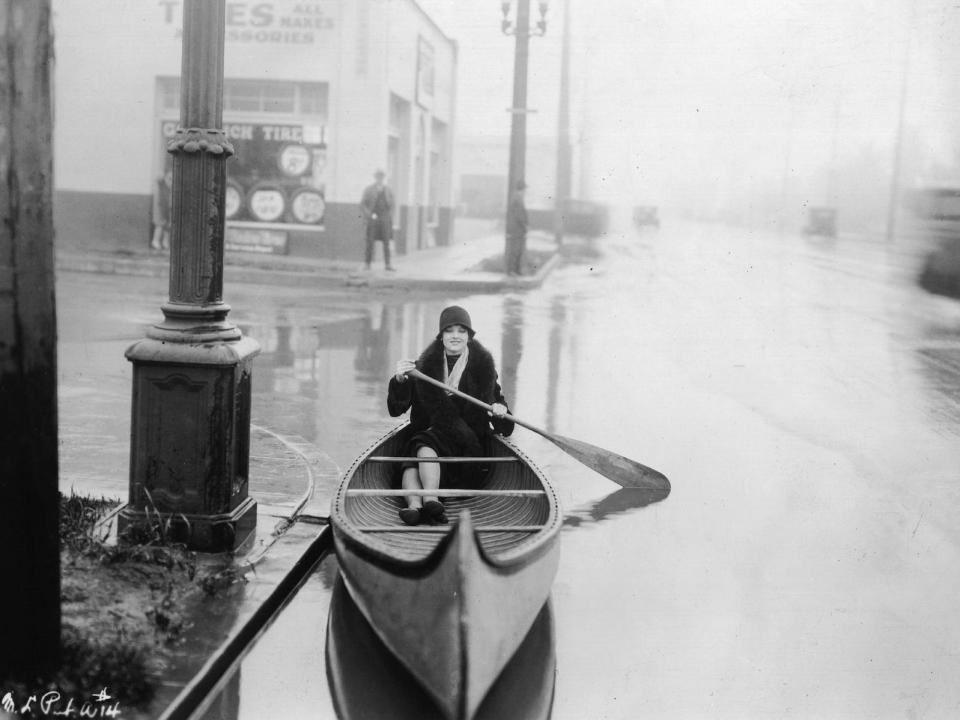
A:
(379, 173)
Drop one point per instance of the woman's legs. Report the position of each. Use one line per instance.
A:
(423, 476)
(429, 472)
(411, 481)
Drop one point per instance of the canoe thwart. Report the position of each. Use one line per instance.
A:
(446, 528)
(396, 458)
(373, 492)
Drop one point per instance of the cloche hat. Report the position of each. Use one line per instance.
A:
(455, 315)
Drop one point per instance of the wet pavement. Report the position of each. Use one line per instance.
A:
(803, 397)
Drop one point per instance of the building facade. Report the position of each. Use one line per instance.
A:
(317, 96)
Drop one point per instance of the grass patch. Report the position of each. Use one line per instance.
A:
(122, 605)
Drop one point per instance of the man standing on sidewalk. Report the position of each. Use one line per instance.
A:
(377, 207)
(162, 201)
(516, 230)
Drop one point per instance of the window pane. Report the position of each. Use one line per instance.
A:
(278, 97)
(313, 99)
(241, 96)
(169, 93)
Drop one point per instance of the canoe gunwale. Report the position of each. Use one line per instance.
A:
(373, 549)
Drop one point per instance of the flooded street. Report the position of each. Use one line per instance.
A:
(801, 395)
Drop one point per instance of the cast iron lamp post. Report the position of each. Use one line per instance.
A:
(190, 431)
(520, 29)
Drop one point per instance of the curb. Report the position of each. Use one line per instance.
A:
(311, 275)
(474, 281)
(146, 266)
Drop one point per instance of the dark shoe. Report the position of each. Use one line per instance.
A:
(410, 516)
(434, 512)
(433, 508)
(391, 268)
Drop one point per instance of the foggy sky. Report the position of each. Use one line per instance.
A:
(751, 93)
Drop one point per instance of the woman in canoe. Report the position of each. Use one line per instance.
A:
(441, 423)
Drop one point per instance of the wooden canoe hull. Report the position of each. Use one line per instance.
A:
(455, 616)
(367, 681)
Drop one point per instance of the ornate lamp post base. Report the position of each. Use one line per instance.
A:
(190, 432)
(190, 441)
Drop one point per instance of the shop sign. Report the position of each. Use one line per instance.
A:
(257, 240)
(276, 175)
(281, 22)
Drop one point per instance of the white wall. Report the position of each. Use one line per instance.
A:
(110, 52)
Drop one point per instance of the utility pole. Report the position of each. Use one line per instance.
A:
(564, 150)
(190, 433)
(29, 494)
(518, 111)
(898, 140)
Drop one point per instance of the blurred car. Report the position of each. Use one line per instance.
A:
(938, 211)
(646, 215)
(821, 221)
(585, 217)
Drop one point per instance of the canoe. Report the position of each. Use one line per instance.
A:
(451, 602)
(367, 681)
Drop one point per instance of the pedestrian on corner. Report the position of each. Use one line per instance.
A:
(162, 201)
(516, 230)
(377, 207)
(443, 424)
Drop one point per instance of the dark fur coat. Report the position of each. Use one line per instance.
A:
(461, 423)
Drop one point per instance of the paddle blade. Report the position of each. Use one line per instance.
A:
(623, 471)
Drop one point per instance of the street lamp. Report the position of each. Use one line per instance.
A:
(192, 373)
(507, 26)
(520, 29)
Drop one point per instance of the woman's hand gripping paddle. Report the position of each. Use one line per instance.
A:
(623, 471)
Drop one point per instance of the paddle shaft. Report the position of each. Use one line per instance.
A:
(459, 393)
(623, 471)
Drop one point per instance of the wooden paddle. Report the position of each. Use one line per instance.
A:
(623, 471)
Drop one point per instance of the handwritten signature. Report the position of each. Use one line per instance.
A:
(54, 704)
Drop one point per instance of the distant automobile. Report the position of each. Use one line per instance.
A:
(646, 215)
(585, 217)
(821, 221)
(938, 211)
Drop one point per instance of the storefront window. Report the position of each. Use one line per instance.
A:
(255, 96)
(277, 175)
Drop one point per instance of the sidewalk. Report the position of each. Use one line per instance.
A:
(453, 267)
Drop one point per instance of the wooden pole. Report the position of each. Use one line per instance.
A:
(564, 159)
(29, 542)
(898, 138)
(518, 111)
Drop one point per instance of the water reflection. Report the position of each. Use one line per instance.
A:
(558, 319)
(616, 503)
(226, 704)
(368, 682)
(511, 347)
(372, 361)
(940, 365)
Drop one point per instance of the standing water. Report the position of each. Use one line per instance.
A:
(799, 394)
